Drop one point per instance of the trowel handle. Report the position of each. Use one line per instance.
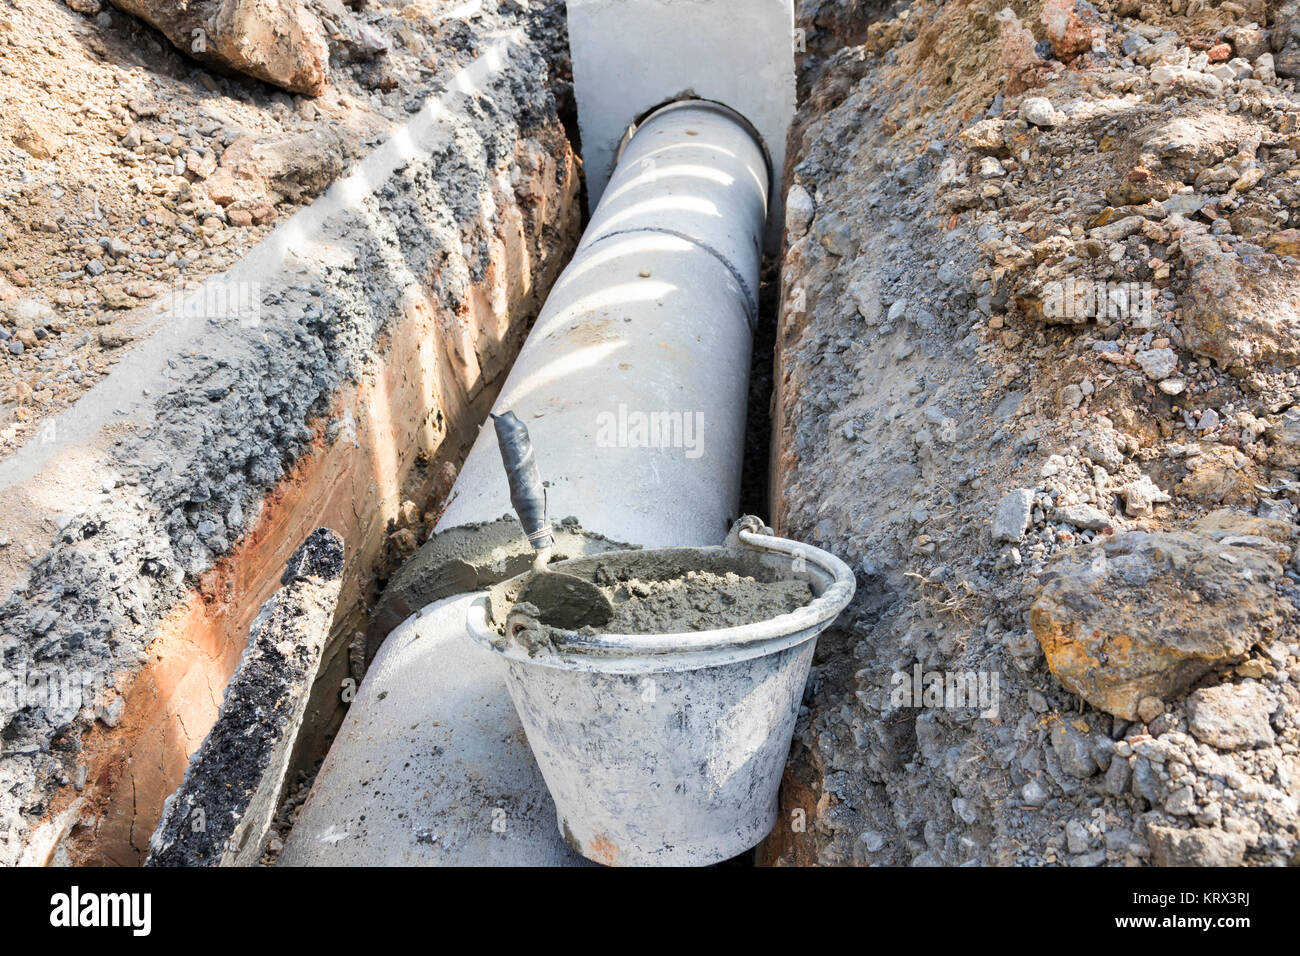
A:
(527, 493)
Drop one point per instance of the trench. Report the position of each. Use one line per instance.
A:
(752, 496)
(252, 572)
(327, 706)
(755, 476)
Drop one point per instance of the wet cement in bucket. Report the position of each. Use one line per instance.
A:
(667, 592)
(700, 601)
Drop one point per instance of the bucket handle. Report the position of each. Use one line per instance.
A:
(811, 618)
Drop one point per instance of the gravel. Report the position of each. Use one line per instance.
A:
(1136, 240)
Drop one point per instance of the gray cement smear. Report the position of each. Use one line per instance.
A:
(175, 451)
(467, 558)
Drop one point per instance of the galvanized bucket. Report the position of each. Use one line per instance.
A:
(668, 749)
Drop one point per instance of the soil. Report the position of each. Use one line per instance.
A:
(113, 147)
(969, 452)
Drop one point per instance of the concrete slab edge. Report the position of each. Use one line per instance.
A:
(221, 814)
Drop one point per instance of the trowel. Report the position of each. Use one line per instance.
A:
(563, 600)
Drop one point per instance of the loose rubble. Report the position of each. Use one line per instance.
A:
(1038, 383)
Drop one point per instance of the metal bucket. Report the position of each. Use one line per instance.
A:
(668, 749)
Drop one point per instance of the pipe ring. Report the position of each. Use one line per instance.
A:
(699, 102)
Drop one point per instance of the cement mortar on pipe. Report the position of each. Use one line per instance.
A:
(651, 318)
(430, 767)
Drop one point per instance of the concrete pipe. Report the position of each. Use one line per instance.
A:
(633, 382)
(633, 385)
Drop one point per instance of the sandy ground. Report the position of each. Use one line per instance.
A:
(129, 172)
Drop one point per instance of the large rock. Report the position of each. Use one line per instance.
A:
(1201, 847)
(1271, 535)
(295, 167)
(1283, 432)
(1067, 33)
(39, 139)
(1218, 475)
(1232, 716)
(1286, 38)
(1238, 313)
(1141, 615)
(1186, 145)
(1012, 515)
(273, 40)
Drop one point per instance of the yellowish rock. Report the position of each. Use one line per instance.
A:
(1141, 615)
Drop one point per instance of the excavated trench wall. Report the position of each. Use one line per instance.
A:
(972, 461)
(148, 535)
